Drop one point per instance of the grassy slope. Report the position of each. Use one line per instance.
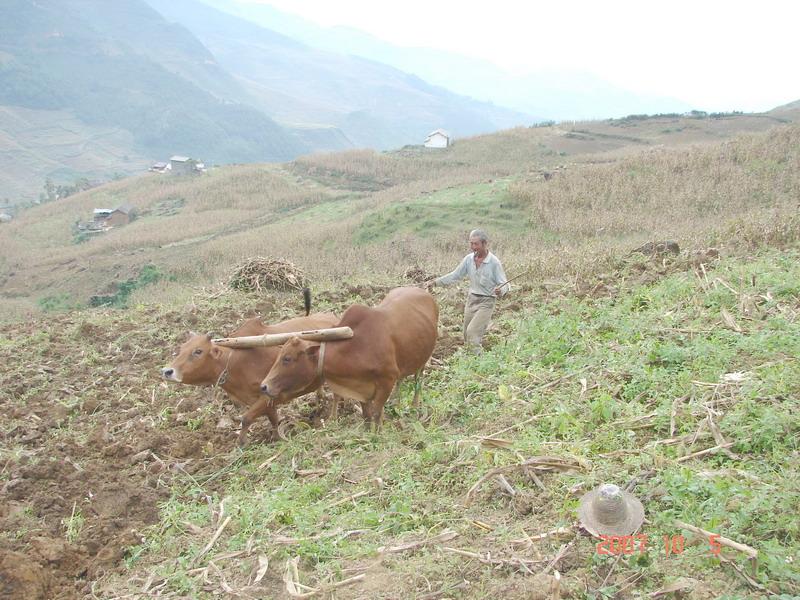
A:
(618, 364)
(448, 211)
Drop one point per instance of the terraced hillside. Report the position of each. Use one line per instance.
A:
(550, 196)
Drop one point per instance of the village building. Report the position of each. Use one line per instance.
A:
(104, 218)
(122, 215)
(182, 165)
(159, 167)
(438, 138)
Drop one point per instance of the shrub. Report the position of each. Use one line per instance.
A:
(149, 274)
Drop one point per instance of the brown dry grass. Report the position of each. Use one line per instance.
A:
(676, 193)
(310, 210)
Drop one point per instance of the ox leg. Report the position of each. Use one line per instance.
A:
(366, 412)
(376, 404)
(417, 388)
(259, 409)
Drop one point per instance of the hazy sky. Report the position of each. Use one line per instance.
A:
(714, 55)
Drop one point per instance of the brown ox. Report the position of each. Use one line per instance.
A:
(239, 371)
(389, 342)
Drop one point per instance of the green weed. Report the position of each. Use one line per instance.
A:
(73, 525)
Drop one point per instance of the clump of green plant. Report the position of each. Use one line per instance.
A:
(168, 206)
(73, 525)
(52, 192)
(148, 275)
(79, 237)
(57, 303)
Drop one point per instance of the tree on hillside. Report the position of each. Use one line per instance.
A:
(55, 192)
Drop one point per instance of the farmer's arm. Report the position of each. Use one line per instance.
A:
(500, 277)
(458, 273)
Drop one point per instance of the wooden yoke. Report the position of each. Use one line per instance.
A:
(276, 339)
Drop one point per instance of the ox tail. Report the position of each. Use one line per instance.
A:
(307, 300)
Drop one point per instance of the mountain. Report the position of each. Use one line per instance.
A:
(102, 62)
(373, 104)
(565, 94)
(95, 89)
(81, 70)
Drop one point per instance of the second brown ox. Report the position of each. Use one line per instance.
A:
(391, 341)
(239, 371)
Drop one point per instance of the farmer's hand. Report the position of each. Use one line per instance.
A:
(497, 291)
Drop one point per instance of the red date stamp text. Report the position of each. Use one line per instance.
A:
(630, 544)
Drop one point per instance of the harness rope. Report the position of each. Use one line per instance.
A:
(223, 377)
(321, 363)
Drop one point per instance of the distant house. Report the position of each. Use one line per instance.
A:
(182, 165)
(122, 215)
(159, 167)
(5, 217)
(438, 139)
(107, 217)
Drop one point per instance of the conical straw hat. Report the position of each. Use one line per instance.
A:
(608, 510)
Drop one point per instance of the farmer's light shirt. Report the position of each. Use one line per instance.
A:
(482, 280)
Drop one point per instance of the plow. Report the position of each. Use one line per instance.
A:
(276, 339)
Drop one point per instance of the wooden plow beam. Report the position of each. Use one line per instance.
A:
(276, 339)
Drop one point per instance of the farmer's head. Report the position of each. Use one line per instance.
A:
(478, 241)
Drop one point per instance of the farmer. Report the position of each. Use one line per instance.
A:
(487, 282)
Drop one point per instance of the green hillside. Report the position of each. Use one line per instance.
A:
(100, 90)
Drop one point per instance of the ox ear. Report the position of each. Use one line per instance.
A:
(210, 336)
(313, 352)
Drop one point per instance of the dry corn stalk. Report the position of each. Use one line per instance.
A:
(260, 274)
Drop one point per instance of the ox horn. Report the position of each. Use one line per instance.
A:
(276, 339)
